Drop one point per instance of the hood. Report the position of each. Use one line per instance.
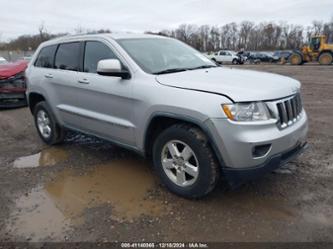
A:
(239, 85)
(11, 69)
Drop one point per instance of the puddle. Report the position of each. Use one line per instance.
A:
(324, 218)
(36, 218)
(47, 157)
(51, 209)
(122, 184)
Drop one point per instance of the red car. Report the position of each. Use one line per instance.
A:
(12, 84)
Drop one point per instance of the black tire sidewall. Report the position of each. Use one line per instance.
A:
(299, 57)
(202, 184)
(52, 139)
(323, 54)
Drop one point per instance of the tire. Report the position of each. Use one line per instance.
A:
(325, 58)
(207, 169)
(234, 61)
(295, 59)
(46, 121)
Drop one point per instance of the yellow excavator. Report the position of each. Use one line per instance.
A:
(317, 50)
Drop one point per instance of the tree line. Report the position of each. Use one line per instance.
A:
(235, 36)
(248, 35)
(31, 42)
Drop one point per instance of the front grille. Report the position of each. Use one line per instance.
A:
(289, 110)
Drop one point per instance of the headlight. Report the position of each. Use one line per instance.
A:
(254, 111)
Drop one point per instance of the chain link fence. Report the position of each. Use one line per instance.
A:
(15, 55)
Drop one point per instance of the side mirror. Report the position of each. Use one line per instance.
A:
(112, 67)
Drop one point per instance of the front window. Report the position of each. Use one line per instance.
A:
(161, 55)
(315, 43)
(94, 52)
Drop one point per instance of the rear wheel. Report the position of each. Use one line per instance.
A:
(185, 162)
(47, 127)
(295, 59)
(325, 58)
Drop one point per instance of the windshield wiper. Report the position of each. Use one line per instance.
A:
(175, 70)
(171, 70)
(201, 67)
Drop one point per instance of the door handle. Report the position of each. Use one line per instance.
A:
(83, 81)
(49, 76)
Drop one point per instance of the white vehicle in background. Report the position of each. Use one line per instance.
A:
(3, 60)
(226, 56)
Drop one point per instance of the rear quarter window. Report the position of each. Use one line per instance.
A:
(46, 57)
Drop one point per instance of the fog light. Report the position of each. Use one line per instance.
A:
(261, 150)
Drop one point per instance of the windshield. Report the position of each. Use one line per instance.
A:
(160, 55)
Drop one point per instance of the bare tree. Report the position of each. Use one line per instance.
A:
(247, 35)
(79, 30)
(318, 27)
(42, 30)
(328, 30)
(244, 33)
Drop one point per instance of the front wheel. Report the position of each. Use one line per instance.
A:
(234, 61)
(325, 58)
(295, 59)
(185, 162)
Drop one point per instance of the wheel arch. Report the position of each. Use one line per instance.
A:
(168, 119)
(325, 51)
(33, 99)
(298, 52)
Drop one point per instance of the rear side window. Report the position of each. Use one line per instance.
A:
(68, 56)
(46, 56)
(94, 52)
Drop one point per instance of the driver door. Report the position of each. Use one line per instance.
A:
(102, 105)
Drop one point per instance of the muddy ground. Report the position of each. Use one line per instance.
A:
(90, 190)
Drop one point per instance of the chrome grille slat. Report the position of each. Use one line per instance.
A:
(293, 105)
(289, 110)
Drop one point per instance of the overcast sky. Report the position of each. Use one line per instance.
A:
(19, 17)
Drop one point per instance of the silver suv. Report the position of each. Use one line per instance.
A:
(165, 100)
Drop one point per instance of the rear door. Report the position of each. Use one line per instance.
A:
(41, 77)
(228, 57)
(64, 79)
(102, 104)
(222, 56)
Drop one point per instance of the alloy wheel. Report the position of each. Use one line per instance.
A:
(43, 123)
(180, 163)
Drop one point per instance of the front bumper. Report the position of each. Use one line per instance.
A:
(236, 177)
(12, 99)
(236, 142)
